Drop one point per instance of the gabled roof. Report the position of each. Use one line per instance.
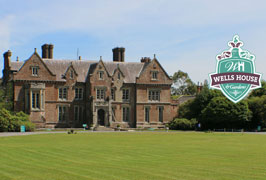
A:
(59, 67)
(130, 70)
(17, 64)
(118, 69)
(71, 66)
(83, 68)
(154, 60)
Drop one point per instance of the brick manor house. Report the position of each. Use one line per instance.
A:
(69, 93)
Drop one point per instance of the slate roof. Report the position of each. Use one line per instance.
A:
(15, 66)
(130, 70)
(59, 67)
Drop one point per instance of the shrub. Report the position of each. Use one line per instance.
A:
(182, 124)
(5, 118)
(29, 126)
(12, 122)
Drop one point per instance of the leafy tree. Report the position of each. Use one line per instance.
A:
(183, 85)
(203, 99)
(185, 110)
(222, 113)
(259, 92)
(258, 107)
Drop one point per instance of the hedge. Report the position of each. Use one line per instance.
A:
(182, 124)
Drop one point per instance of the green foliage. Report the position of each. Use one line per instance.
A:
(213, 110)
(5, 119)
(12, 122)
(259, 92)
(203, 99)
(185, 110)
(182, 124)
(6, 96)
(222, 113)
(258, 107)
(175, 97)
(193, 108)
(183, 85)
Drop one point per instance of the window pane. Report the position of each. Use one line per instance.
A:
(60, 113)
(60, 93)
(64, 93)
(64, 113)
(125, 94)
(37, 100)
(147, 114)
(76, 93)
(80, 93)
(125, 114)
(33, 100)
(160, 114)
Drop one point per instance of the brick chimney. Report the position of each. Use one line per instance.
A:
(7, 65)
(145, 59)
(47, 51)
(7, 59)
(199, 87)
(51, 51)
(119, 54)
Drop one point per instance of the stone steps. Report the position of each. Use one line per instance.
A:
(103, 128)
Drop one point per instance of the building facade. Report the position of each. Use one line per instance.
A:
(69, 93)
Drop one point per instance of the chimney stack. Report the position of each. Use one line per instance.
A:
(7, 59)
(51, 51)
(119, 54)
(199, 87)
(47, 51)
(145, 59)
(7, 65)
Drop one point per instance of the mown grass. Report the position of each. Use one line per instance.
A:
(134, 155)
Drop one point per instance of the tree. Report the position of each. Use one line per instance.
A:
(259, 92)
(183, 85)
(222, 113)
(258, 107)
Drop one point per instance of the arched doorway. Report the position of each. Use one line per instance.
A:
(101, 115)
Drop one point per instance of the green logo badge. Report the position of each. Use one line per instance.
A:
(235, 72)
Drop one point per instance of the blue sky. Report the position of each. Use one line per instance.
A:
(184, 35)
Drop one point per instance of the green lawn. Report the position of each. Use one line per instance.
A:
(134, 155)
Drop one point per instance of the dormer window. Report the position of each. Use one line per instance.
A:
(35, 71)
(154, 75)
(118, 75)
(71, 74)
(101, 75)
